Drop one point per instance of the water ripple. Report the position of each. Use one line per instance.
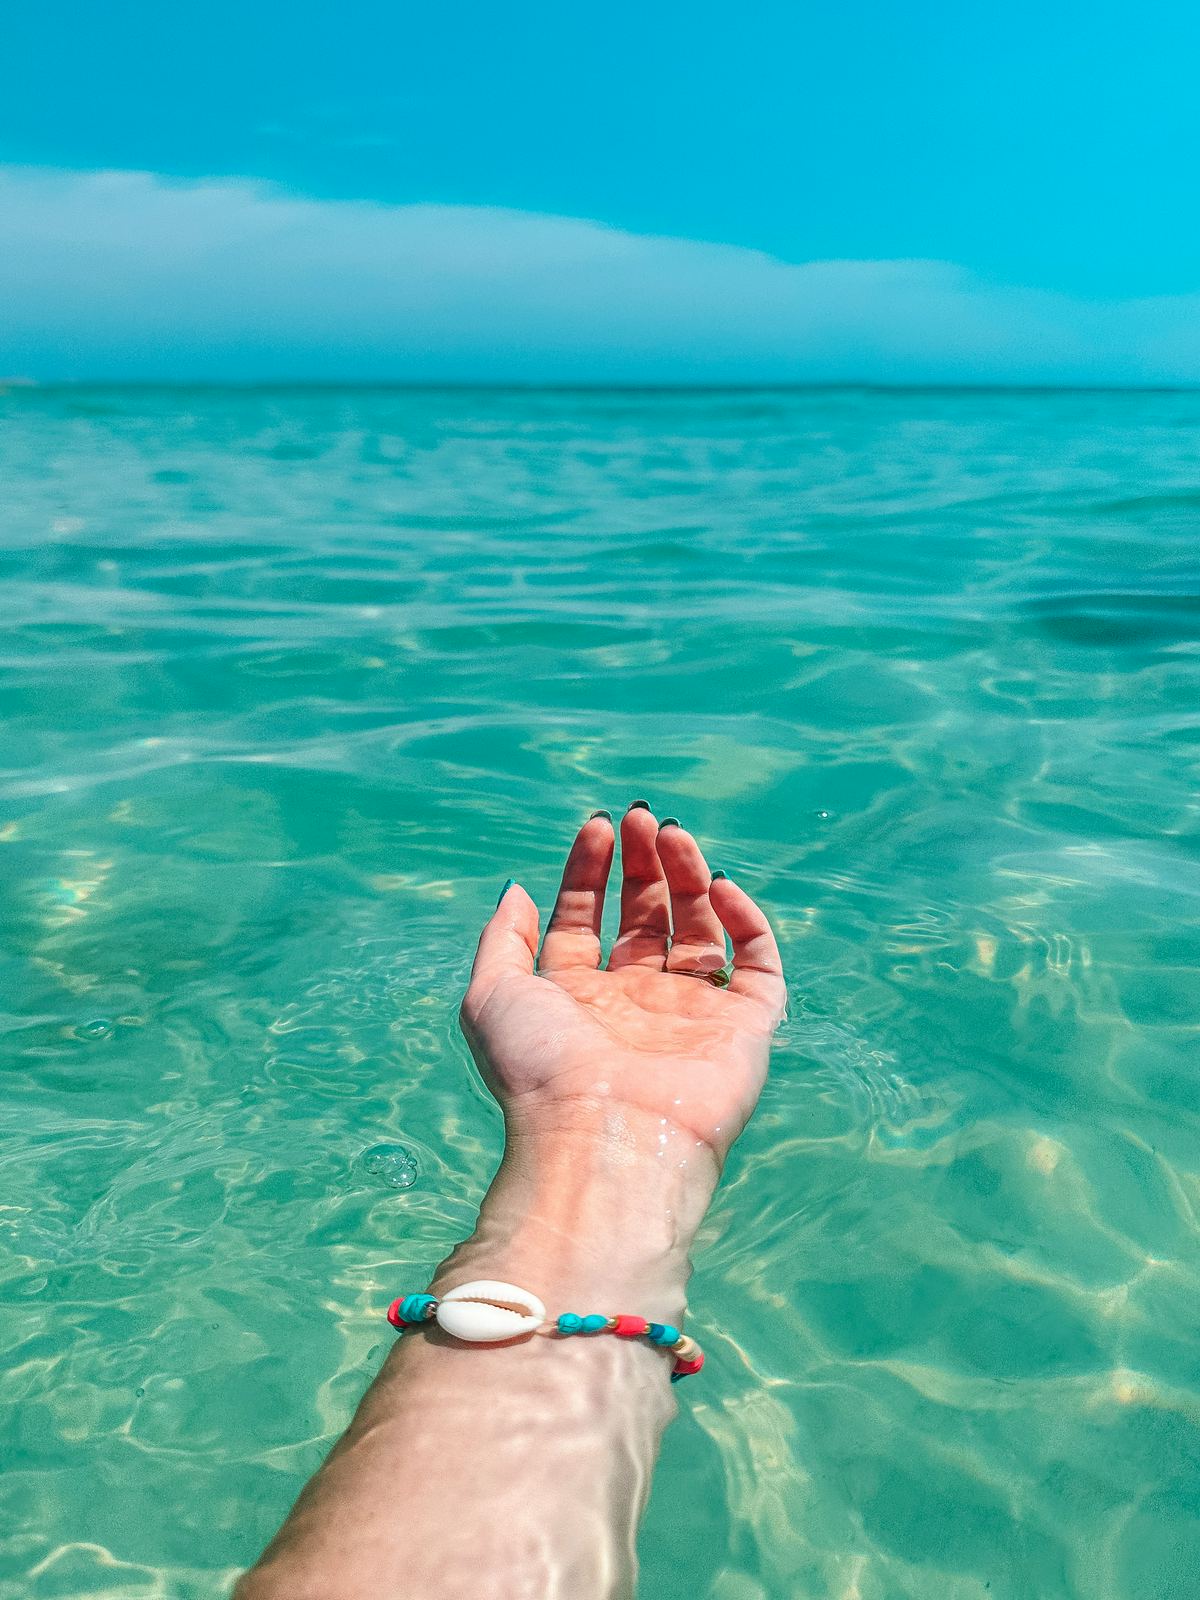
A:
(291, 682)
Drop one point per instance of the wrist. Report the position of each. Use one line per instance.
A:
(591, 1210)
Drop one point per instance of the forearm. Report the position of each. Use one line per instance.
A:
(516, 1470)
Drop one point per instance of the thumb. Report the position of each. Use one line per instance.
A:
(507, 947)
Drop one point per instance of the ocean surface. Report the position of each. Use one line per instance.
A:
(291, 682)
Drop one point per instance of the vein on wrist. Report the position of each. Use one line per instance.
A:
(592, 1212)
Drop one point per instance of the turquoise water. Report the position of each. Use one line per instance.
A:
(291, 682)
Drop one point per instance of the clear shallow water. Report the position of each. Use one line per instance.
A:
(292, 682)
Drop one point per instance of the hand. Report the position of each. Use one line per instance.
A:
(649, 1040)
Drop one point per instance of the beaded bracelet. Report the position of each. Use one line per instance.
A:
(489, 1312)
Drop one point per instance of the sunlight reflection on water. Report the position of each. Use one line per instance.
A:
(292, 682)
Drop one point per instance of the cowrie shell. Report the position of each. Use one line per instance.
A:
(488, 1311)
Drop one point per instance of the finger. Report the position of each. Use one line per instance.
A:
(757, 969)
(573, 936)
(507, 947)
(645, 902)
(697, 937)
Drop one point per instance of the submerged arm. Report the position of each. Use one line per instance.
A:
(520, 1470)
(514, 1470)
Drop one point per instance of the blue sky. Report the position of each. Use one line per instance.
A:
(918, 192)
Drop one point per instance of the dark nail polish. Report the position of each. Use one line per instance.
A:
(505, 890)
(639, 805)
(717, 875)
(607, 815)
(669, 822)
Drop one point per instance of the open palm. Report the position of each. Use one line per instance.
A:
(650, 1034)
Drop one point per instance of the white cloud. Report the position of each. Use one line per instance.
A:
(130, 275)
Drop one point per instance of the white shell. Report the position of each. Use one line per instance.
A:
(488, 1311)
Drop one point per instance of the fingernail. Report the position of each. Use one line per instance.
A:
(669, 822)
(639, 805)
(717, 875)
(504, 891)
(607, 815)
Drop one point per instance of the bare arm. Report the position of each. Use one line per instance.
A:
(520, 1470)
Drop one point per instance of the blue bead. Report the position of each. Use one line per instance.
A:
(412, 1307)
(569, 1322)
(594, 1323)
(662, 1333)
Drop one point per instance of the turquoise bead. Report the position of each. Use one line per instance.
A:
(569, 1322)
(662, 1333)
(412, 1307)
(594, 1323)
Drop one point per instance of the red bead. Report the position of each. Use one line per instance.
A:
(631, 1327)
(684, 1369)
(393, 1315)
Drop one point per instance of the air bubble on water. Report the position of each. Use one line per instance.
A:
(391, 1165)
(97, 1028)
(822, 816)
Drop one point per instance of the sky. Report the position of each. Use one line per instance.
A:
(773, 192)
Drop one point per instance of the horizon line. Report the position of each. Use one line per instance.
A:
(527, 386)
